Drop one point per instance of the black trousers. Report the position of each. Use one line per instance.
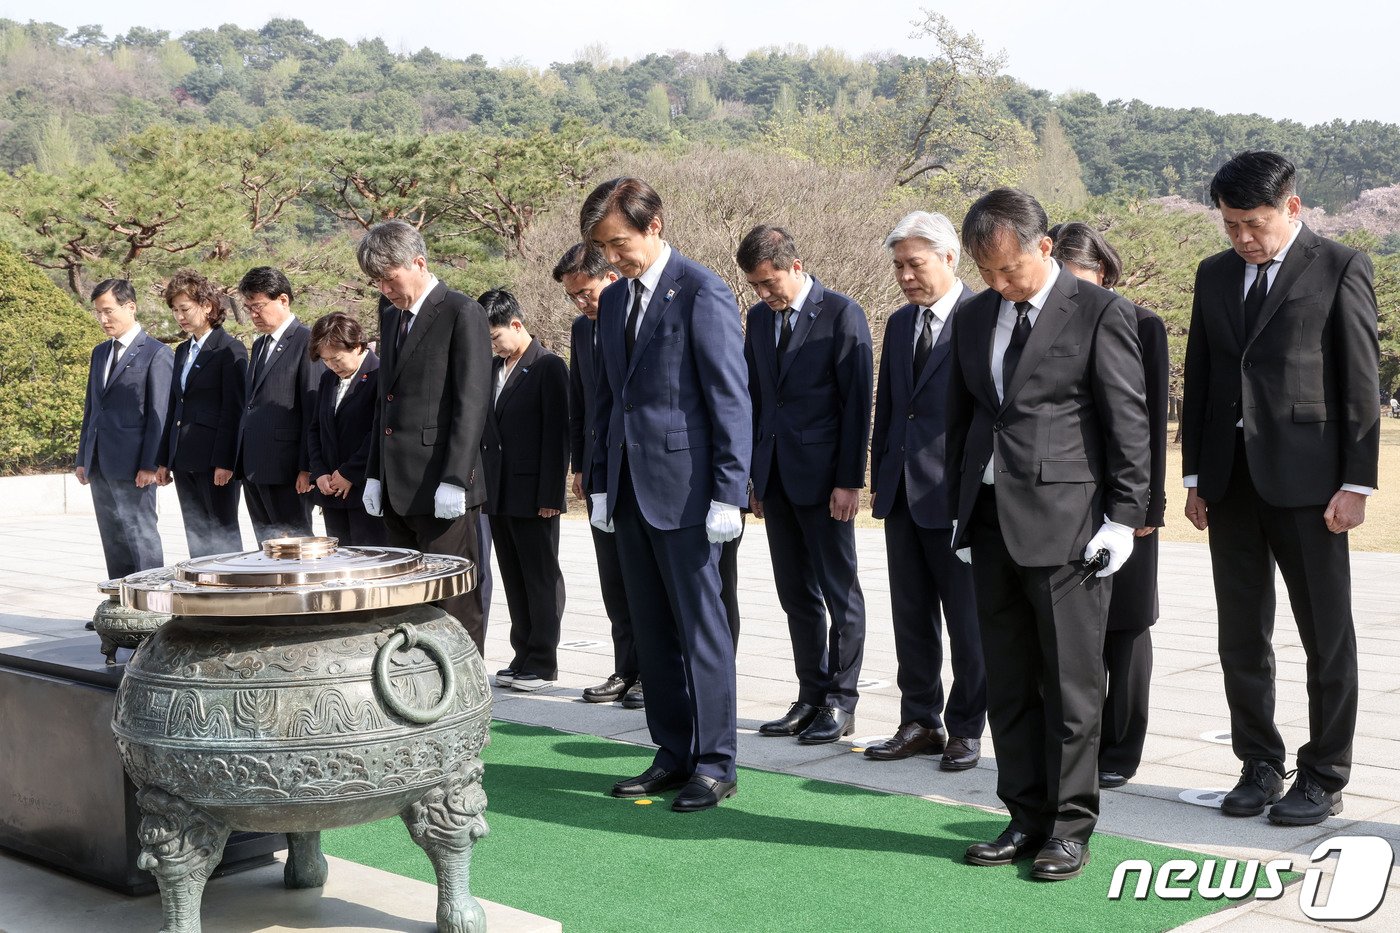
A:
(454, 536)
(126, 523)
(277, 510)
(684, 646)
(1127, 663)
(615, 596)
(1045, 683)
(210, 513)
(1247, 536)
(814, 570)
(527, 555)
(355, 526)
(924, 574)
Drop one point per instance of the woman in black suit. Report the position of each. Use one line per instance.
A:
(1132, 610)
(338, 444)
(197, 448)
(525, 452)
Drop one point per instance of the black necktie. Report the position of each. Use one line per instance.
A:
(924, 345)
(112, 362)
(630, 338)
(259, 346)
(1254, 301)
(405, 321)
(1019, 335)
(785, 335)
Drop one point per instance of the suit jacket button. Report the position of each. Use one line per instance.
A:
(911, 416)
(177, 424)
(388, 430)
(389, 397)
(780, 403)
(627, 407)
(998, 426)
(1247, 364)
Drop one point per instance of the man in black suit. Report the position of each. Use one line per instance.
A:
(526, 455)
(669, 470)
(424, 473)
(1048, 460)
(280, 398)
(123, 419)
(339, 440)
(198, 451)
(584, 273)
(908, 489)
(1280, 441)
(810, 366)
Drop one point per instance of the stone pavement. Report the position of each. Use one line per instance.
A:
(50, 564)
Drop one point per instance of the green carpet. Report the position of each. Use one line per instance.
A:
(842, 858)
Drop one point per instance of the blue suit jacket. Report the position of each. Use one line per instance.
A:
(679, 410)
(201, 425)
(909, 439)
(123, 422)
(811, 409)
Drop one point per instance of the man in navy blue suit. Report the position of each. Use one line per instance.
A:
(670, 471)
(810, 378)
(909, 490)
(123, 419)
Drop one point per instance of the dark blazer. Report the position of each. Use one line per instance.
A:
(811, 409)
(126, 418)
(583, 385)
(339, 439)
(1070, 436)
(525, 448)
(431, 402)
(909, 439)
(679, 410)
(278, 409)
(1305, 381)
(201, 426)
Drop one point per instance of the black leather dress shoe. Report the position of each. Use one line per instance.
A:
(911, 739)
(828, 726)
(961, 754)
(798, 717)
(1111, 779)
(1060, 859)
(611, 689)
(703, 792)
(1305, 804)
(634, 698)
(653, 780)
(1259, 786)
(1010, 846)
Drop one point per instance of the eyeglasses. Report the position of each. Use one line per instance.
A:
(583, 296)
(256, 308)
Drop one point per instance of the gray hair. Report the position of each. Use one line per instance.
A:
(389, 246)
(935, 228)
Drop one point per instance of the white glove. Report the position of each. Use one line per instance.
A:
(449, 501)
(723, 523)
(373, 497)
(963, 554)
(599, 517)
(1117, 540)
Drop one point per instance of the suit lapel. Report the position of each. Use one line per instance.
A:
(941, 347)
(522, 366)
(1234, 300)
(277, 353)
(1299, 258)
(901, 331)
(802, 327)
(130, 356)
(983, 325)
(367, 366)
(1059, 308)
(657, 306)
(422, 322)
(768, 342)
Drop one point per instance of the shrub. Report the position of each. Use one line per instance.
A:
(46, 340)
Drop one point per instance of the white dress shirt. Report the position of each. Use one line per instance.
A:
(942, 309)
(795, 307)
(418, 304)
(647, 280)
(271, 346)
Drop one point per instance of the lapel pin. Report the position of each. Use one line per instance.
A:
(671, 293)
(812, 315)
